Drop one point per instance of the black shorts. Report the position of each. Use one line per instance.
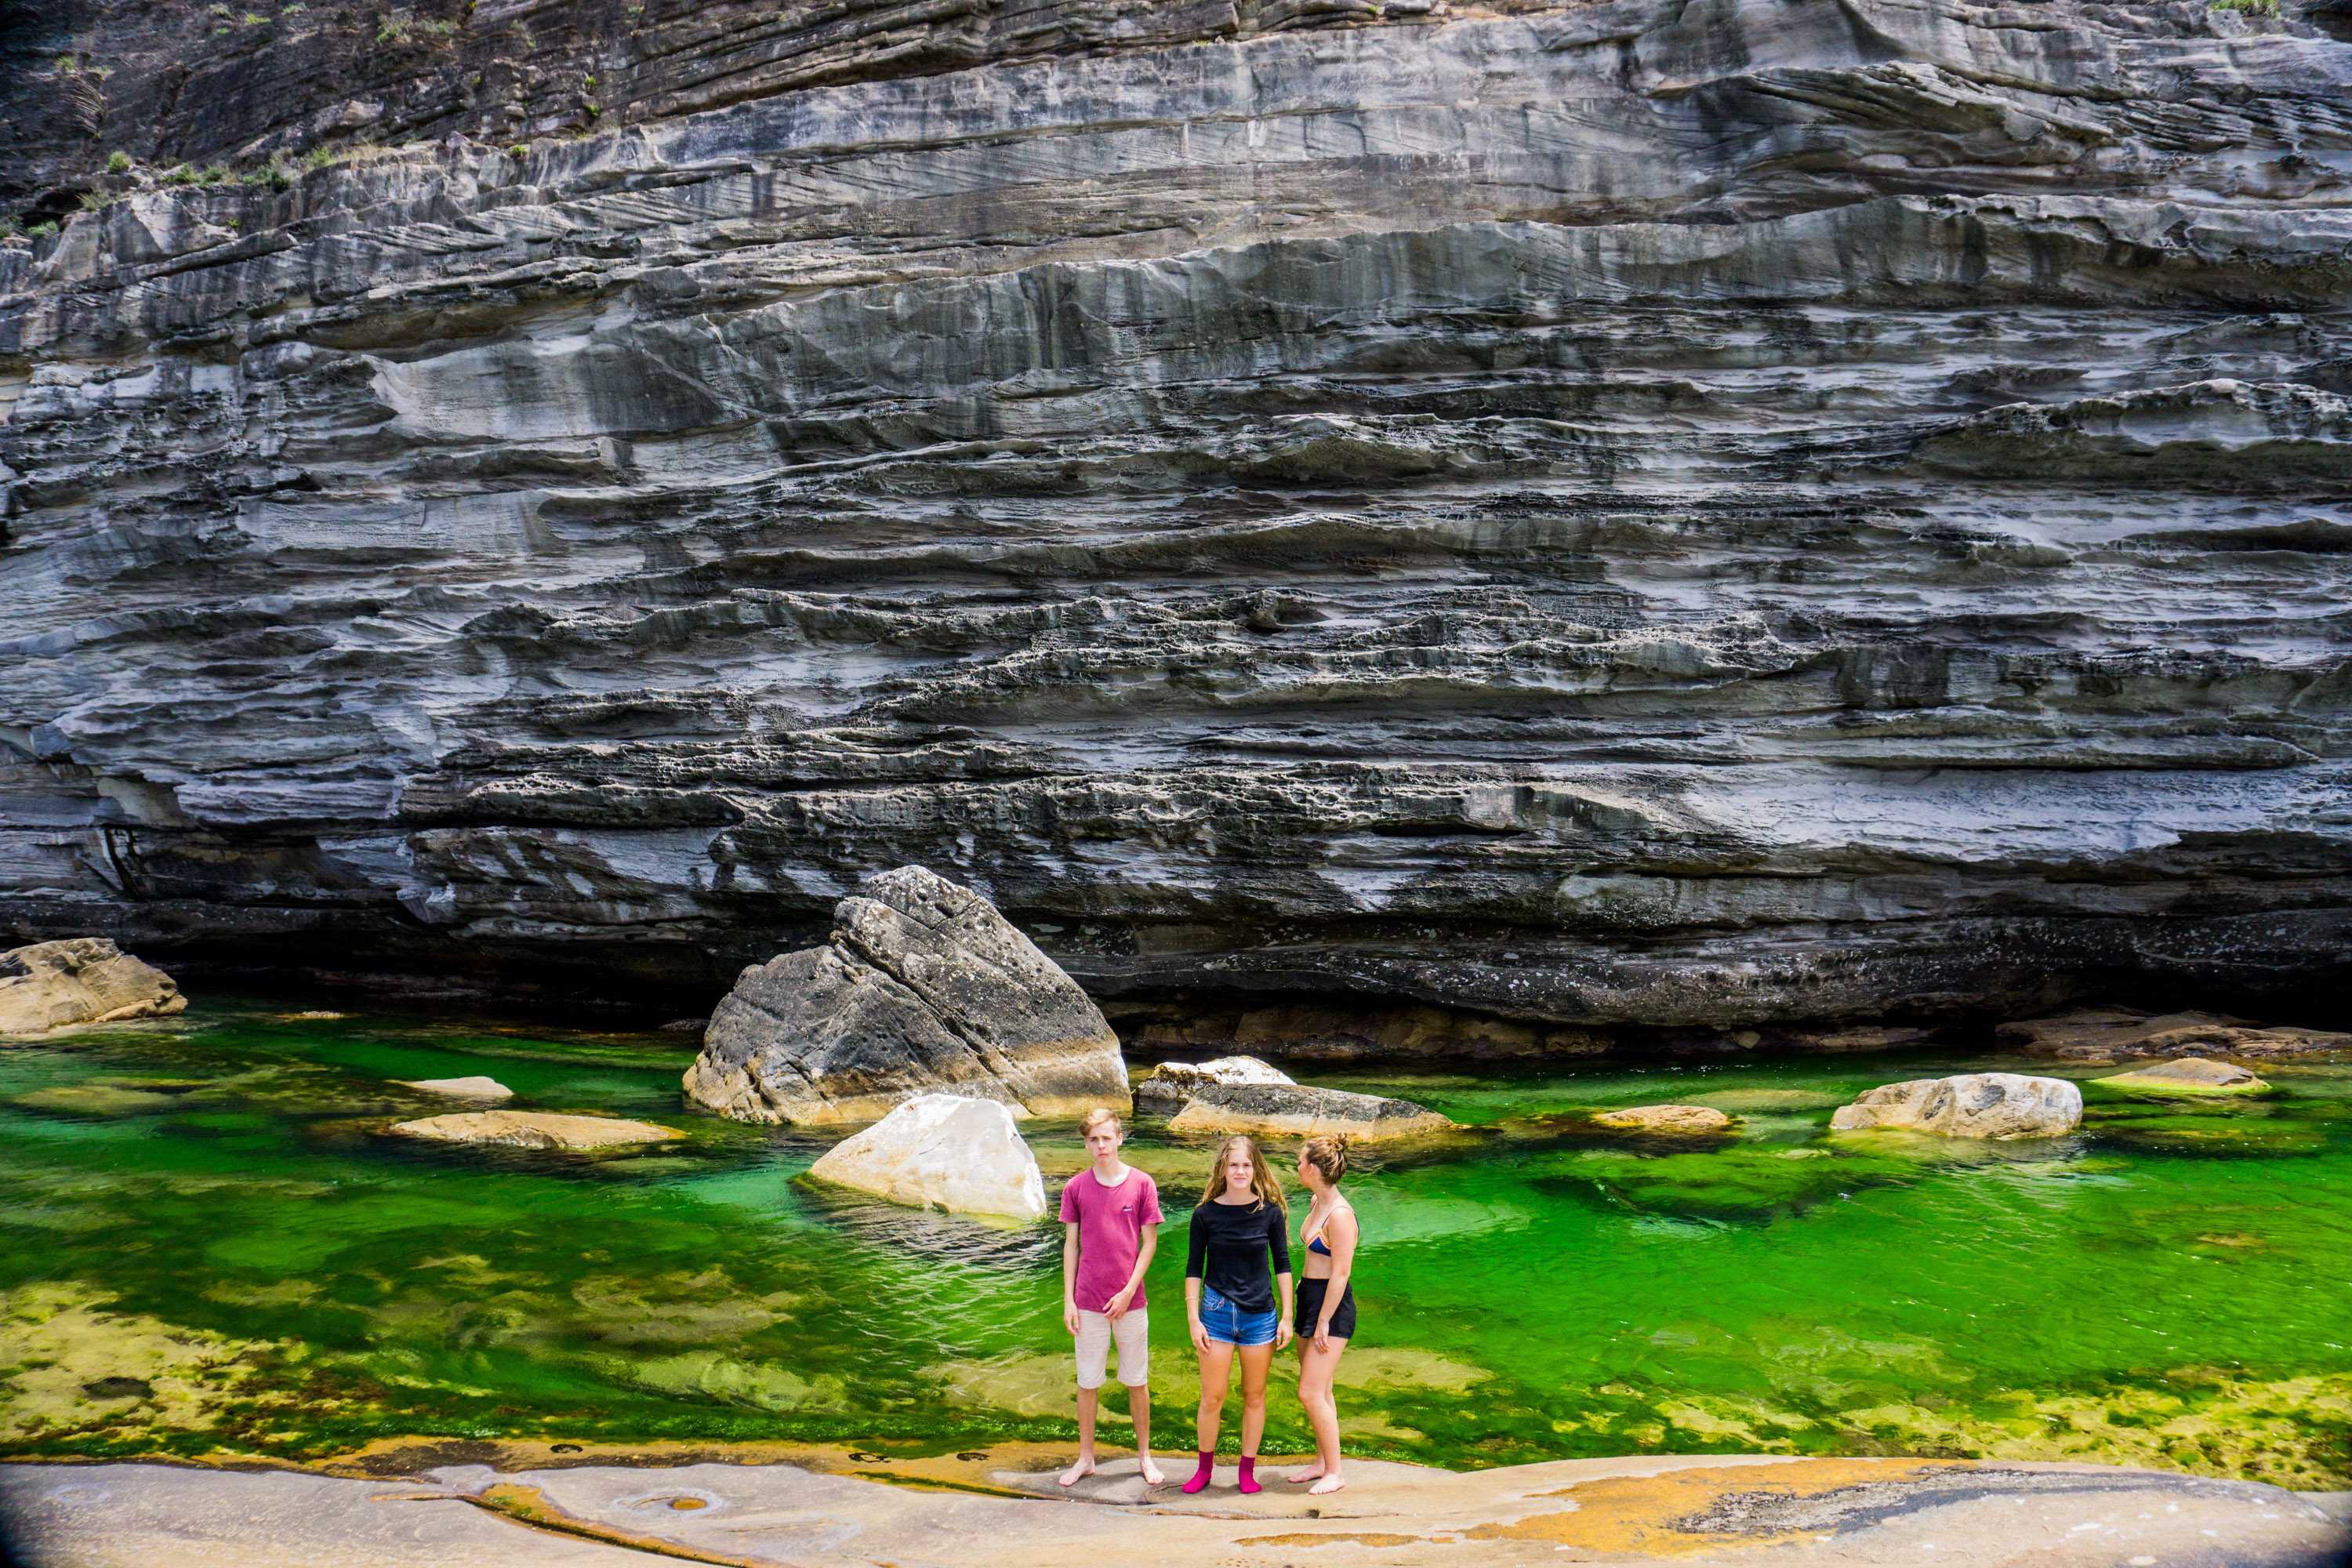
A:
(1309, 1308)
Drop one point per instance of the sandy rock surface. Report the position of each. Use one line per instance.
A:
(942, 1151)
(2113, 1034)
(85, 979)
(1665, 1119)
(479, 1088)
(534, 1129)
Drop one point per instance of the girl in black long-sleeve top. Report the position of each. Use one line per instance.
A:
(1230, 1296)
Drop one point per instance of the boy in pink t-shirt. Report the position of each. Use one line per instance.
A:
(1110, 1227)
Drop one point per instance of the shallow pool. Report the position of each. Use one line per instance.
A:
(209, 1247)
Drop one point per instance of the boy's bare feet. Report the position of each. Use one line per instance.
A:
(1079, 1471)
(1153, 1476)
(1311, 1473)
(1328, 1484)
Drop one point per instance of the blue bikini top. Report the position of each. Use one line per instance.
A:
(1314, 1242)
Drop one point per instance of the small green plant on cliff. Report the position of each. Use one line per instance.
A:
(42, 230)
(217, 175)
(179, 175)
(254, 19)
(395, 30)
(97, 201)
(221, 11)
(2255, 8)
(294, 10)
(518, 151)
(68, 66)
(437, 29)
(118, 162)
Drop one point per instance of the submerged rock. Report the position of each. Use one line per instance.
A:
(1164, 1090)
(534, 1129)
(924, 988)
(942, 1151)
(83, 979)
(488, 1090)
(2110, 1034)
(1665, 1119)
(2189, 1075)
(1295, 1110)
(1971, 1105)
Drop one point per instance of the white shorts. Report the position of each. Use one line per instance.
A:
(1133, 1332)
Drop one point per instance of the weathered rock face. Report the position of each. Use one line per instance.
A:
(1665, 1119)
(925, 986)
(1164, 1090)
(1972, 1105)
(1293, 1111)
(55, 984)
(1640, 513)
(534, 1129)
(942, 1151)
(2189, 1075)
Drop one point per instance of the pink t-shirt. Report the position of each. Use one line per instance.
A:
(1111, 1222)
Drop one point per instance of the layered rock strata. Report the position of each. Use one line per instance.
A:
(923, 987)
(1629, 514)
(57, 985)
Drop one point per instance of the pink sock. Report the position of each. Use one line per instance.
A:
(1249, 1474)
(1201, 1477)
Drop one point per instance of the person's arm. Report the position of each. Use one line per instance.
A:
(1277, 1235)
(1339, 1236)
(1116, 1307)
(1196, 1252)
(1070, 1277)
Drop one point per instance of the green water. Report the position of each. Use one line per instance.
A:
(209, 1247)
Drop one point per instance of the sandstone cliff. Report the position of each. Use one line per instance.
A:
(1645, 512)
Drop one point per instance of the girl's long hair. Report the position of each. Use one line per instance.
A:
(1262, 1181)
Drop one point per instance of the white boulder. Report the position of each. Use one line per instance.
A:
(1971, 1105)
(942, 1151)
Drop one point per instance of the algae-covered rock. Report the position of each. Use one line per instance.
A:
(86, 980)
(1665, 1119)
(2190, 1076)
(942, 1151)
(925, 987)
(1295, 1110)
(1164, 1090)
(534, 1129)
(1970, 1105)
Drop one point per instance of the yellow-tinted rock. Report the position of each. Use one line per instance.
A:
(1666, 1119)
(535, 1130)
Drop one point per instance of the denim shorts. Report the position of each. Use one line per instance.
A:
(1228, 1324)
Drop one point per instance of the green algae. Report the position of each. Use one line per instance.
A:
(239, 1263)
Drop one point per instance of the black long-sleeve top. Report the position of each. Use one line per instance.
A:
(1230, 1243)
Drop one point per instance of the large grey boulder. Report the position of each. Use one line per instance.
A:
(923, 987)
(942, 1151)
(1971, 1105)
(83, 979)
(1294, 1110)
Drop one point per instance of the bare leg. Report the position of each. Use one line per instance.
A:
(1257, 1362)
(1138, 1407)
(1089, 1400)
(1316, 1371)
(1216, 1372)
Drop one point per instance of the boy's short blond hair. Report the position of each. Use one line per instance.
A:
(1095, 1118)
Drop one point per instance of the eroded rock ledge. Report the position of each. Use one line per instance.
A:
(1622, 515)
